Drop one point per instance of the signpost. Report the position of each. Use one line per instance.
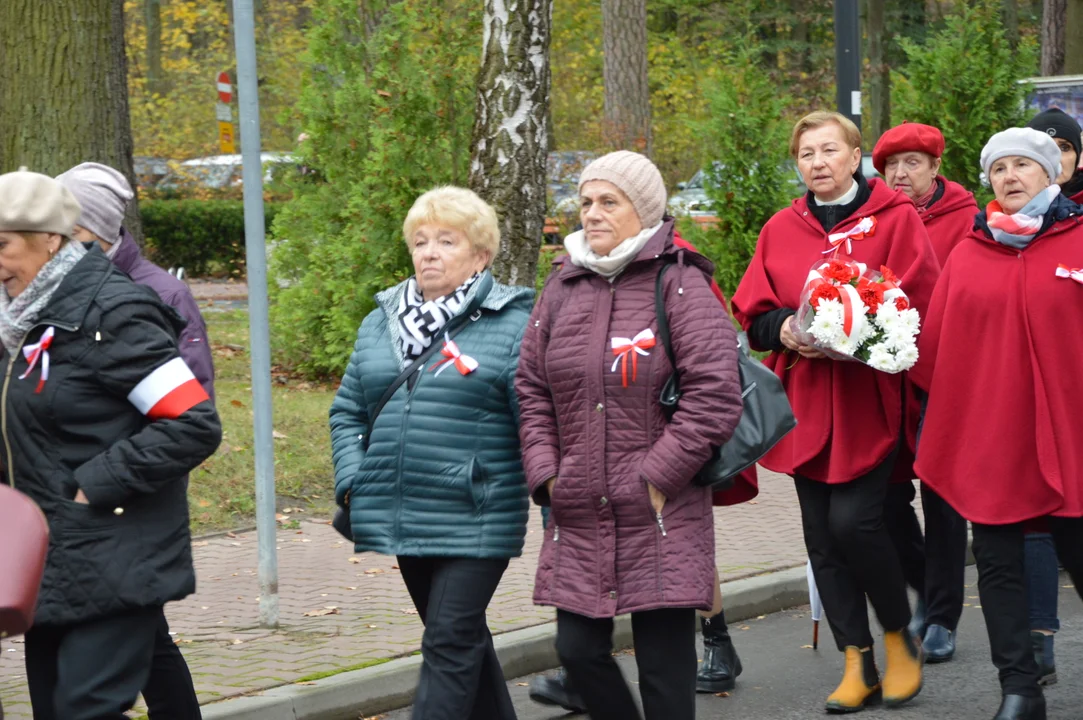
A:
(224, 113)
(848, 60)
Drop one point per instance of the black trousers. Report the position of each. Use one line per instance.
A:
(665, 648)
(934, 565)
(90, 671)
(999, 551)
(461, 675)
(169, 692)
(852, 554)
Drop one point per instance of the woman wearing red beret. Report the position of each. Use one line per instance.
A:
(1001, 440)
(908, 156)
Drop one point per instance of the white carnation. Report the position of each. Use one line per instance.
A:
(880, 358)
(826, 328)
(906, 357)
(899, 337)
(887, 316)
(911, 319)
(845, 345)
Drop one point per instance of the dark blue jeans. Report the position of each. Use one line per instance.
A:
(1043, 581)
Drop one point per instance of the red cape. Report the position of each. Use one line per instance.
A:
(746, 485)
(849, 416)
(1002, 440)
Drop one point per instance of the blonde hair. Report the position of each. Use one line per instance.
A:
(460, 209)
(850, 134)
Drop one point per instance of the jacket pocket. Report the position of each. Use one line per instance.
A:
(478, 478)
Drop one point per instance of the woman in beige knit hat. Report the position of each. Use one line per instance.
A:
(629, 531)
(103, 421)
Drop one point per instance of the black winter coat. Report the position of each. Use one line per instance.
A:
(114, 342)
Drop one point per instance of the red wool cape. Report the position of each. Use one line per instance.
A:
(849, 416)
(1003, 441)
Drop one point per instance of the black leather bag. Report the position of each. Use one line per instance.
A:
(472, 313)
(766, 419)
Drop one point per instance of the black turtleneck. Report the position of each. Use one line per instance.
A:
(1074, 185)
(831, 215)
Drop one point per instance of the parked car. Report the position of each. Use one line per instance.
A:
(148, 170)
(562, 202)
(217, 172)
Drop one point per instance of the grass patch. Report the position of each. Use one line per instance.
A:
(339, 671)
(221, 493)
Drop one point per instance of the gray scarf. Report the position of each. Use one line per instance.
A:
(19, 315)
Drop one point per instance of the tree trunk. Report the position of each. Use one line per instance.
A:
(153, 13)
(1009, 13)
(799, 37)
(511, 133)
(65, 102)
(1054, 19)
(627, 92)
(1073, 38)
(879, 70)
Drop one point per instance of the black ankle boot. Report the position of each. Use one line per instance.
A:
(556, 689)
(1019, 707)
(721, 666)
(1042, 645)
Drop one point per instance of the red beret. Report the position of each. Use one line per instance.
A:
(908, 137)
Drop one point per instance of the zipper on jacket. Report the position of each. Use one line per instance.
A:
(402, 451)
(4, 414)
(556, 533)
(661, 525)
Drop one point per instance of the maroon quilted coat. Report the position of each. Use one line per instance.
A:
(605, 553)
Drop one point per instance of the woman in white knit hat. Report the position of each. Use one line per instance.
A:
(629, 531)
(103, 420)
(1002, 441)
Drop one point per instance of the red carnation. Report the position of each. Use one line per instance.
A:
(824, 292)
(902, 303)
(871, 293)
(888, 275)
(838, 271)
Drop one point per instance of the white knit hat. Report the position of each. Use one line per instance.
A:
(32, 202)
(103, 194)
(1023, 142)
(637, 177)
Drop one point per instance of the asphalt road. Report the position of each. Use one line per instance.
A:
(783, 680)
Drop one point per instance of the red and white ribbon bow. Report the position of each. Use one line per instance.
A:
(623, 347)
(865, 228)
(39, 351)
(1063, 271)
(453, 356)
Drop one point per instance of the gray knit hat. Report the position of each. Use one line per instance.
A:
(32, 202)
(104, 195)
(1023, 142)
(637, 177)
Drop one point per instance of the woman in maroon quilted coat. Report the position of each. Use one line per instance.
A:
(630, 532)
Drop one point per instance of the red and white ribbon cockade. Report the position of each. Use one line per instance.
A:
(866, 227)
(168, 392)
(453, 356)
(623, 347)
(1063, 271)
(39, 351)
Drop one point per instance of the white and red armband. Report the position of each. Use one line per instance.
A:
(168, 392)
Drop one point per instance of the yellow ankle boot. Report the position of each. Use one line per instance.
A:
(860, 684)
(902, 677)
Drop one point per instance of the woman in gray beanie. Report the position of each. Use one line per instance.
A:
(103, 420)
(1001, 441)
(629, 532)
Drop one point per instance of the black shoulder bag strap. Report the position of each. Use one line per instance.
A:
(671, 391)
(469, 314)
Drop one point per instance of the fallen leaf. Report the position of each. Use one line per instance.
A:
(200, 543)
(236, 403)
(279, 436)
(231, 534)
(372, 627)
(355, 561)
(350, 587)
(523, 684)
(330, 610)
(744, 627)
(806, 647)
(204, 503)
(761, 617)
(753, 502)
(237, 641)
(383, 93)
(408, 611)
(394, 567)
(722, 694)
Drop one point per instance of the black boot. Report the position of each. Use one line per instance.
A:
(1019, 707)
(721, 666)
(556, 689)
(1043, 655)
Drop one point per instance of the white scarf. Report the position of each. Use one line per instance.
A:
(421, 320)
(611, 265)
(20, 314)
(846, 197)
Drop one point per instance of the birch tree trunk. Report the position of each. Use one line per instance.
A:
(1054, 17)
(64, 88)
(511, 130)
(627, 92)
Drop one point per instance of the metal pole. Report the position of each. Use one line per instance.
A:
(848, 59)
(244, 31)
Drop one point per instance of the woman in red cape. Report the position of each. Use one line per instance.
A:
(908, 156)
(849, 416)
(1001, 440)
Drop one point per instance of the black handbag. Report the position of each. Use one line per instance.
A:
(472, 313)
(766, 419)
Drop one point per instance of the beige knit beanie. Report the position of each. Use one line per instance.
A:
(637, 177)
(31, 202)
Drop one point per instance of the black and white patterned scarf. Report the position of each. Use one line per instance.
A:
(420, 321)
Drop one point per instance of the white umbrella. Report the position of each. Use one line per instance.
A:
(816, 603)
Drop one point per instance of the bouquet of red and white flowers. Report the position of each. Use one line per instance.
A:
(851, 313)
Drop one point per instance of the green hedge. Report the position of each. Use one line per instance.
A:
(202, 236)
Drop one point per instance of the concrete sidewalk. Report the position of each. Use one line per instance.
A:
(343, 612)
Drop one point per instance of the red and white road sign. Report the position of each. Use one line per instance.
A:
(225, 88)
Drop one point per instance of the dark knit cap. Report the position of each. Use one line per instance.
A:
(1056, 123)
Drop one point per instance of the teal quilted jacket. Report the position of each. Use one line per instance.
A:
(442, 476)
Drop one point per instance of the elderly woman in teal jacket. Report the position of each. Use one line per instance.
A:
(424, 434)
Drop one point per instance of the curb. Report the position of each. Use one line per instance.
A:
(391, 685)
